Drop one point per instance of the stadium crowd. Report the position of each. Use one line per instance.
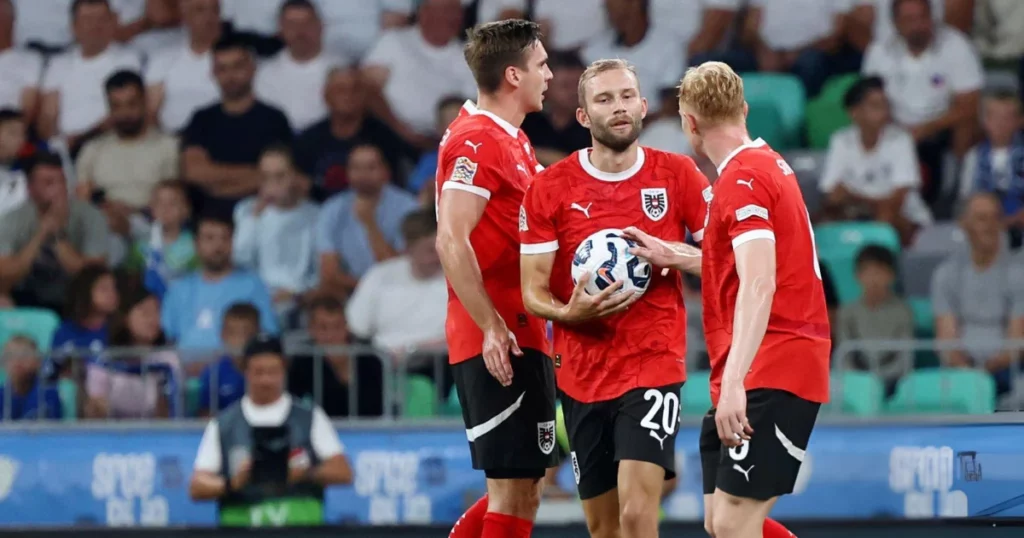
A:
(178, 176)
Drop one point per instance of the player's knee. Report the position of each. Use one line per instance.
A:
(727, 523)
(603, 527)
(639, 511)
(518, 497)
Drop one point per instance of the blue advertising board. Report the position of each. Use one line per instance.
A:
(140, 477)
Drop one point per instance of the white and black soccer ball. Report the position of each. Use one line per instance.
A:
(605, 257)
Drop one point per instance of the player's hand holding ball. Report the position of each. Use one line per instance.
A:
(731, 415)
(498, 342)
(607, 277)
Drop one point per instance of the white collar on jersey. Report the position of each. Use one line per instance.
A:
(592, 170)
(753, 144)
(471, 108)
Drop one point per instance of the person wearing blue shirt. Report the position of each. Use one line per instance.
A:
(195, 304)
(361, 226)
(28, 399)
(422, 177)
(222, 383)
(91, 303)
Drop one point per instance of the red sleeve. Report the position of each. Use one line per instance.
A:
(537, 234)
(471, 163)
(695, 193)
(748, 203)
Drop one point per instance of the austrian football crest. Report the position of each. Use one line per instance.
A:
(546, 436)
(654, 202)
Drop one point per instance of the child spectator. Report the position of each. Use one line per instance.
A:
(170, 251)
(879, 315)
(21, 361)
(222, 383)
(91, 303)
(141, 386)
(275, 231)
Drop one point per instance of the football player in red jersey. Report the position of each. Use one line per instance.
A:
(620, 372)
(485, 164)
(765, 319)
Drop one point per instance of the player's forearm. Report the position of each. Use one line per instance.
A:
(750, 322)
(463, 272)
(688, 258)
(539, 301)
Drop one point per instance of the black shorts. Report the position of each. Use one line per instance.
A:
(511, 430)
(768, 464)
(640, 425)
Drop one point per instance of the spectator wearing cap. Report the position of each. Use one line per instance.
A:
(555, 132)
(871, 169)
(933, 78)
(49, 238)
(268, 455)
(195, 304)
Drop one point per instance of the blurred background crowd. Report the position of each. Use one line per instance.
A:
(178, 176)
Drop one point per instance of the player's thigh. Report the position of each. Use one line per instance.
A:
(767, 465)
(646, 426)
(591, 431)
(640, 488)
(511, 430)
(710, 455)
(602, 513)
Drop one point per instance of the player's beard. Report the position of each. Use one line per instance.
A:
(616, 142)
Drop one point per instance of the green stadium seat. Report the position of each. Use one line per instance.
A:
(192, 388)
(451, 407)
(838, 244)
(68, 392)
(420, 397)
(924, 319)
(764, 121)
(787, 94)
(37, 323)
(825, 113)
(696, 393)
(856, 393)
(3, 377)
(944, 390)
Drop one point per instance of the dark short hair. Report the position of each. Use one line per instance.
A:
(898, 4)
(78, 4)
(326, 303)
(494, 46)
(450, 100)
(78, 305)
(214, 218)
(876, 254)
(243, 312)
(10, 114)
(42, 158)
(297, 4)
(231, 42)
(995, 94)
(860, 90)
(566, 60)
(366, 144)
(418, 224)
(123, 79)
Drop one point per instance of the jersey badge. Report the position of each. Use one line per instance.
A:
(523, 227)
(546, 436)
(751, 210)
(464, 171)
(654, 202)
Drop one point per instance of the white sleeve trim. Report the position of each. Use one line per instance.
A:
(538, 248)
(208, 457)
(479, 191)
(323, 437)
(698, 236)
(746, 237)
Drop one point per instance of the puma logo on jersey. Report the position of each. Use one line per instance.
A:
(581, 209)
(661, 440)
(474, 146)
(522, 169)
(746, 474)
(748, 182)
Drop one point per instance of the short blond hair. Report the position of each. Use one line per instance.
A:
(713, 91)
(602, 66)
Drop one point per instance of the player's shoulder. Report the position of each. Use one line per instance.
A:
(561, 172)
(474, 136)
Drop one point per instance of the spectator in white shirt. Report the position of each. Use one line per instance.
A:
(294, 79)
(147, 26)
(872, 20)
(871, 170)
(567, 26)
(701, 25)
(13, 138)
(275, 231)
(37, 27)
(73, 99)
(999, 30)
(795, 36)
(21, 70)
(933, 78)
(656, 54)
(180, 78)
(412, 69)
(351, 28)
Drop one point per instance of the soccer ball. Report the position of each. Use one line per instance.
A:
(605, 257)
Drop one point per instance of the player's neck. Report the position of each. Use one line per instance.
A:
(721, 142)
(607, 160)
(505, 109)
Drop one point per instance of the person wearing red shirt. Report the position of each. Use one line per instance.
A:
(620, 371)
(765, 318)
(485, 164)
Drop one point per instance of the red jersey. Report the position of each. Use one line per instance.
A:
(483, 154)
(757, 196)
(662, 194)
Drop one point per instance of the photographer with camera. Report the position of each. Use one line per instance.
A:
(267, 459)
